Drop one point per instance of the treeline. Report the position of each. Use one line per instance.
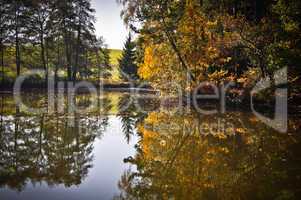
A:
(54, 35)
(216, 40)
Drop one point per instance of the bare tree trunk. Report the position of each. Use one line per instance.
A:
(68, 57)
(57, 65)
(18, 62)
(17, 47)
(77, 53)
(262, 66)
(43, 55)
(47, 55)
(2, 62)
(67, 52)
(86, 62)
(41, 137)
(16, 136)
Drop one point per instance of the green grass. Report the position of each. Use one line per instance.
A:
(115, 54)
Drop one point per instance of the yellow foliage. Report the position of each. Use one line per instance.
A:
(152, 118)
(200, 45)
(218, 75)
(148, 69)
(241, 130)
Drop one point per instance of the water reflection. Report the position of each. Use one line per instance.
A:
(189, 157)
(178, 155)
(129, 114)
(46, 147)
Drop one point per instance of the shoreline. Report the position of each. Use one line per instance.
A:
(293, 105)
(108, 87)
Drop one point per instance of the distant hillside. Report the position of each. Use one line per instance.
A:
(115, 54)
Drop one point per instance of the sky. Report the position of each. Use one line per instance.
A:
(109, 24)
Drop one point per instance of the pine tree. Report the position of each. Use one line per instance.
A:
(102, 59)
(39, 28)
(3, 32)
(63, 22)
(73, 20)
(127, 64)
(84, 28)
(18, 18)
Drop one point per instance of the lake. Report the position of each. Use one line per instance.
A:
(130, 147)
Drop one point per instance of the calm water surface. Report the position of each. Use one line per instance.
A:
(130, 148)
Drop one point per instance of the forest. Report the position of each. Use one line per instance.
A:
(55, 36)
(217, 41)
(187, 41)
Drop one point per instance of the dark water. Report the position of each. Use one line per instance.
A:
(138, 150)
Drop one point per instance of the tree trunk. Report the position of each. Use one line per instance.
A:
(16, 136)
(2, 62)
(68, 57)
(86, 63)
(67, 52)
(262, 66)
(98, 61)
(18, 56)
(173, 44)
(179, 55)
(41, 137)
(47, 55)
(77, 53)
(235, 8)
(17, 45)
(57, 66)
(43, 56)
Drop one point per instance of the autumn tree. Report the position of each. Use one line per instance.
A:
(239, 41)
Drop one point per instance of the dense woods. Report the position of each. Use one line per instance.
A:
(215, 40)
(187, 41)
(57, 36)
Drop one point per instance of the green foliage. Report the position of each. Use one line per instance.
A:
(55, 35)
(127, 63)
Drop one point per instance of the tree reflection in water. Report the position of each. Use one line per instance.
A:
(47, 147)
(179, 157)
(130, 115)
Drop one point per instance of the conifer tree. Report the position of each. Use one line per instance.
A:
(3, 32)
(127, 64)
